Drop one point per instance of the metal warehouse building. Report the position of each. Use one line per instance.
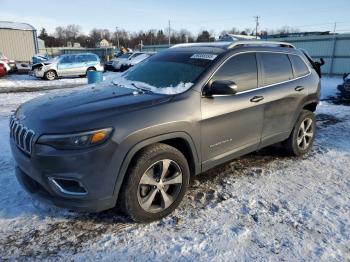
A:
(334, 48)
(18, 41)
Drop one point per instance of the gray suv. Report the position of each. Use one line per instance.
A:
(137, 142)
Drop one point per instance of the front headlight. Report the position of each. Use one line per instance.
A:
(78, 140)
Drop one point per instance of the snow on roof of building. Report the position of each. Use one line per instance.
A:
(16, 26)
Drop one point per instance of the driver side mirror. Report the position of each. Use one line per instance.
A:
(220, 87)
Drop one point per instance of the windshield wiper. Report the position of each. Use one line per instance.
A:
(141, 88)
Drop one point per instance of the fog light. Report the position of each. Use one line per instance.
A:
(69, 186)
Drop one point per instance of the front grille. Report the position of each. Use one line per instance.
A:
(21, 135)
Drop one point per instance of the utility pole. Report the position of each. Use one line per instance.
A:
(256, 26)
(169, 33)
(116, 29)
(333, 49)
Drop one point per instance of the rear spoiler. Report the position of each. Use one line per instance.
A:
(316, 65)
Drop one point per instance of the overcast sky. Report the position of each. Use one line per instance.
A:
(193, 15)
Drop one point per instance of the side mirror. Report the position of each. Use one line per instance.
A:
(220, 87)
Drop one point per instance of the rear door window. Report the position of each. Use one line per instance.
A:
(92, 58)
(300, 68)
(275, 67)
(241, 69)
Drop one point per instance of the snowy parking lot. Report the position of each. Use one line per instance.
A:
(263, 206)
(26, 83)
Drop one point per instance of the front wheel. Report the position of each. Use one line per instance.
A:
(155, 184)
(50, 75)
(302, 137)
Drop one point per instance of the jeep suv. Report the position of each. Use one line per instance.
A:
(136, 142)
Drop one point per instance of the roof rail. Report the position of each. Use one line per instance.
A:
(259, 43)
(219, 44)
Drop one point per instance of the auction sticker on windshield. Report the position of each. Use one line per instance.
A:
(204, 56)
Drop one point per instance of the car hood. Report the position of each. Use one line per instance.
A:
(90, 107)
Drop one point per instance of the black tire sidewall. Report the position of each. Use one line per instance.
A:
(47, 77)
(132, 205)
(305, 114)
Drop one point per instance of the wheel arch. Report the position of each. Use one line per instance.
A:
(179, 140)
(311, 106)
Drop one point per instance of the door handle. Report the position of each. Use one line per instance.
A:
(257, 99)
(299, 88)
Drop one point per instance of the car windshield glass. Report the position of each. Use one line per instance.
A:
(52, 60)
(127, 55)
(168, 72)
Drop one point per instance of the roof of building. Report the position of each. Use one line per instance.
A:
(16, 26)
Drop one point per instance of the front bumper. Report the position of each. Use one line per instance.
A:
(37, 73)
(91, 168)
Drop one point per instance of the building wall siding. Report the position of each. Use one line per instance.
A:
(323, 46)
(17, 44)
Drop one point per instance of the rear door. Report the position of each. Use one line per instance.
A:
(283, 94)
(231, 125)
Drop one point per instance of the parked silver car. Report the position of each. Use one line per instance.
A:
(125, 58)
(67, 65)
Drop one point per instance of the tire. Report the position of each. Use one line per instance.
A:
(50, 75)
(143, 182)
(300, 141)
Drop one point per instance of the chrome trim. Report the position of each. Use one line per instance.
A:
(261, 87)
(62, 190)
(22, 136)
(260, 43)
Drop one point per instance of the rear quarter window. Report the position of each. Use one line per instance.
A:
(300, 68)
(275, 67)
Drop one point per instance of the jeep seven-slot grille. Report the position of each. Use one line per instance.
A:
(21, 135)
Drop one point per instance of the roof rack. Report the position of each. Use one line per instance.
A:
(219, 44)
(259, 43)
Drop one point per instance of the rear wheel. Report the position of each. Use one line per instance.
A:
(50, 75)
(156, 183)
(302, 137)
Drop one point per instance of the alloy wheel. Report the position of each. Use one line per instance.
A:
(51, 75)
(305, 133)
(159, 186)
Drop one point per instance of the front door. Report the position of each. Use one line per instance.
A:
(231, 125)
(66, 66)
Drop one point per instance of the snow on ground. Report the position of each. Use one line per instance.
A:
(264, 206)
(16, 83)
(329, 86)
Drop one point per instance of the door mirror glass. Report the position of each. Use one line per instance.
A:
(221, 87)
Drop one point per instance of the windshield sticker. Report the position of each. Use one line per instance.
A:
(204, 56)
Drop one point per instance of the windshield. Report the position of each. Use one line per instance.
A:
(52, 60)
(168, 72)
(126, 55)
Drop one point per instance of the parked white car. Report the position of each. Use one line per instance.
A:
(135, 60)
(67, 65)
(118, 62)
